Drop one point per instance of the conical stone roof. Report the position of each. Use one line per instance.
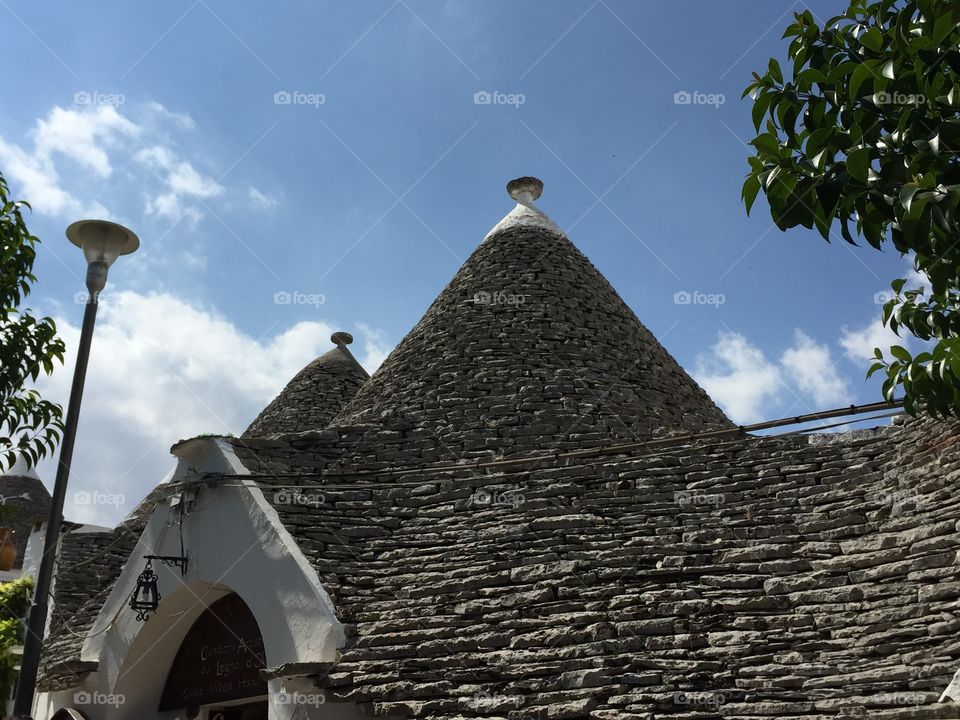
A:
(22, 489)
(315, 394)
(528, 348)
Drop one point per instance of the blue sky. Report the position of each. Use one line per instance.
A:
(364, 193)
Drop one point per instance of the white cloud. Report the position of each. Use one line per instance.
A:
(809, 366)
(183, 184)
(739, 377)
(750, 387)
(161, 370)
(916, 280)
(375, 348)
(99, 139)
(161, 113)
(261, 200)
(83, 136)
(858, 344)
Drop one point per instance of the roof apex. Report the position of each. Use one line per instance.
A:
(525, 191)
(527, 348)
(315, 394)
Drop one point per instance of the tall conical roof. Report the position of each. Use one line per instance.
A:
(315, 394)
(528, 348)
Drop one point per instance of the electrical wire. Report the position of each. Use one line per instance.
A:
(721, 445)
(679, 444)
(619, 448)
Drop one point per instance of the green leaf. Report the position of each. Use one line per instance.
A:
(760, 106)
(862, 73)
(858, 163)
(872, 39)
(750, 189)
(766, 144)
(774, 69)
(900, 353)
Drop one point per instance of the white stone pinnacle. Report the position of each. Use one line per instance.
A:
(525, 191)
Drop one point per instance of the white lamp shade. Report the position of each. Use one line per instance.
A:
(101, 240)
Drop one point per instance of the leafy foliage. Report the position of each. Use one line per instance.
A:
(14, 600)
(29, 425)
(861, 137)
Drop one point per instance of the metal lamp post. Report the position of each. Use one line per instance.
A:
(102, 243)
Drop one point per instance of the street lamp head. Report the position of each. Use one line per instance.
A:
(102, 243)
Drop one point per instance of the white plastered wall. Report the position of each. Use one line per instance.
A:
(235, 542)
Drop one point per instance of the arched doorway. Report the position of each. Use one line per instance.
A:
(215, 674)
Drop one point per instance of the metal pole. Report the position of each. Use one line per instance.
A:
(30, 663)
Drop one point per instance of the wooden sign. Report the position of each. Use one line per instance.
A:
(219, 659)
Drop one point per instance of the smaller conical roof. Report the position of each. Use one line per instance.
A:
(315, 394)
(22, 490)
(20, 469)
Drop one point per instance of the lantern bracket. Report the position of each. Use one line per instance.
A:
(170, 561)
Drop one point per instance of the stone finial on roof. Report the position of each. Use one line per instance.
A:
(525, 190)
(315, 395)
(341, 338)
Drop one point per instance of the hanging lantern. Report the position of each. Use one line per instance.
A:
(145, 597)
